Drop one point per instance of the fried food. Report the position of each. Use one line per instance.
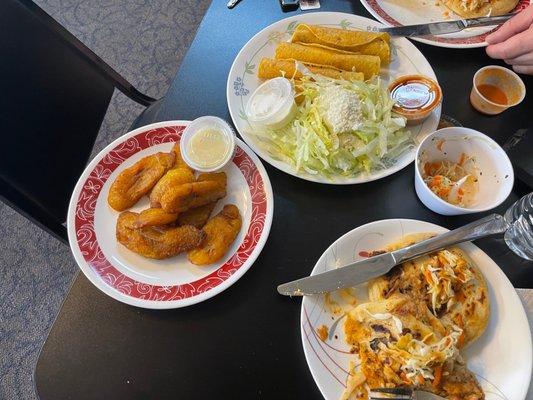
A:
(156, 243)
(180, 163)
(179, 174)
(480, 8)
(221, 231)
(155, 217)
(219, 177)
(418, 317)
(137, 180)
(361, 42)
(191, 195)
(272, 68)
(369, 65)
(198, 216)
(399, 346)
(448, 284)
(173, 178)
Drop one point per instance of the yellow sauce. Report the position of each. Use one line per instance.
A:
(208, 147)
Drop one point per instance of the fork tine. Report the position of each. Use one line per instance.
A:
(391, 394)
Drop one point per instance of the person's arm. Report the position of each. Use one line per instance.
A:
(513, 42)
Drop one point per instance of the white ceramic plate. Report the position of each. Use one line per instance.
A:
(242, 81)
(174, 282)
(412, 12)
(501, 358)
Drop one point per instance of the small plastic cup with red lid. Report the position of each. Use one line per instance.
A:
(415, 96)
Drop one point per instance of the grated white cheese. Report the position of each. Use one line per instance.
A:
(342, 111)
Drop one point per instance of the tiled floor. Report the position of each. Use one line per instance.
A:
(145, 41)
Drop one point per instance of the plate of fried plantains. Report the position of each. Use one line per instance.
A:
(150, 231)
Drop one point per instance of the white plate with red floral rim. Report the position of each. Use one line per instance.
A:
(501, 358)
(406, 59)
(174, 282)
(413, 12)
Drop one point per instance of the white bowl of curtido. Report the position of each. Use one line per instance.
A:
(461, 171)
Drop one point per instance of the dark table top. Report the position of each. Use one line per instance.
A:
(245, 342)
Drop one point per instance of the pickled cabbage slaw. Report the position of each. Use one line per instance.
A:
(308, 145)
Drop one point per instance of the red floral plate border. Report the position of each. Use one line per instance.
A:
(474, 41)
(102, 272)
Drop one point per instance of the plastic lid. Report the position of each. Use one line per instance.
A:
(415, 96)
(225, 135)
(270, 102)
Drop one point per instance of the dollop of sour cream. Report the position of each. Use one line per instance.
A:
(271, 104)
(265, 102)
(208, 147)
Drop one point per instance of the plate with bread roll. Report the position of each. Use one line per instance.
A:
(413, 12)
(325, 98)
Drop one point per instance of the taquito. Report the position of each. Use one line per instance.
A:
(361, 42)
(368, 65)
(271, 68)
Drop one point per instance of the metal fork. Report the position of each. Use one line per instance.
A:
(401, 394)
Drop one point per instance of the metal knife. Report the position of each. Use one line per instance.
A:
(440, 28)
(362, 271)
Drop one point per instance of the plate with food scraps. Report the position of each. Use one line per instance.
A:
(413, 12)
(156, 259)
(373, 141)
(411, 328)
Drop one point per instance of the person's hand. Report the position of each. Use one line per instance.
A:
(513, 42)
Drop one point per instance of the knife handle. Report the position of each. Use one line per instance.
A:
(490, 225)
(486, 21)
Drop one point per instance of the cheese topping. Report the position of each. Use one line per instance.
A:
(341, 110)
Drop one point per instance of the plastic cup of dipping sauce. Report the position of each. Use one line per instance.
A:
(207, 144)
(495, 89)
(272, 105)
(415, 96)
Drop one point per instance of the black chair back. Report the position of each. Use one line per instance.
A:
(54, 95)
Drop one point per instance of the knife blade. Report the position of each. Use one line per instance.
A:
(362, 271)
(348, 275)
(441, 28)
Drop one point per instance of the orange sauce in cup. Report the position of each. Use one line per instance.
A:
(493, 93)
(415, 96)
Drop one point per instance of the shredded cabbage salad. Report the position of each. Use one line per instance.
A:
(308, 145)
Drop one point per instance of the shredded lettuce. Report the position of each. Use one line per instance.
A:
(308, 145)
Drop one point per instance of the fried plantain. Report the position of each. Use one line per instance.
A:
(156, 243)
(219, 177)
(155, 217)
(180, 163)
(191, 195)
(173, 178)
(137, 180)
(196, 216)
(221, 231)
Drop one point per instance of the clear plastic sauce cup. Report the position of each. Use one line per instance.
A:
(207, 144)
(272, 105)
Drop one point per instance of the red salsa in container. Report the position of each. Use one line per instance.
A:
(416, 96)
